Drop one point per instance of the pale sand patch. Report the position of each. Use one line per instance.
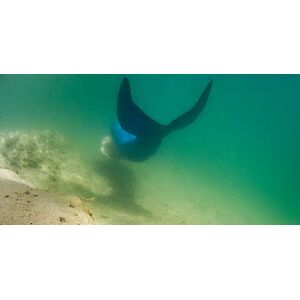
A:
(21, 204)
(12, 176)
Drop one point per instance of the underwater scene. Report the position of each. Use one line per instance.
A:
(150, 149)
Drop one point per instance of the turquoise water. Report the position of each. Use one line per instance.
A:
(238, 163)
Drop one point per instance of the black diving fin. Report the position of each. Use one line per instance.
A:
(190, 116)
(133, 120)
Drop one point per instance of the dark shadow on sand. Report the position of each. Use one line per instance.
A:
(123, 183)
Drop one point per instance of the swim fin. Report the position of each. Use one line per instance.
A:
(190, 116)
(133, 120)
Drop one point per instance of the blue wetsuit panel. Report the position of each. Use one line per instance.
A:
(130, 146)
(121, 136)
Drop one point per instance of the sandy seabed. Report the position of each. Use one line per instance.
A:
(21, 204)
(44, 181)
(31, 166)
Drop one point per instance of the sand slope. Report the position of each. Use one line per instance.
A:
(21, 204)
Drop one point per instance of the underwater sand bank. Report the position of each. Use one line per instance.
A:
(21, 204)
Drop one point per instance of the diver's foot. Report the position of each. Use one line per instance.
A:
(108, 148)
(105, 146)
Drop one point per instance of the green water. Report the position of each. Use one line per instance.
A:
(238, 163)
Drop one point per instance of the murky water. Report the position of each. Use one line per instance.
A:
(238, 163)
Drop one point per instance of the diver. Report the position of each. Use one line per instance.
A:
(136, 136)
